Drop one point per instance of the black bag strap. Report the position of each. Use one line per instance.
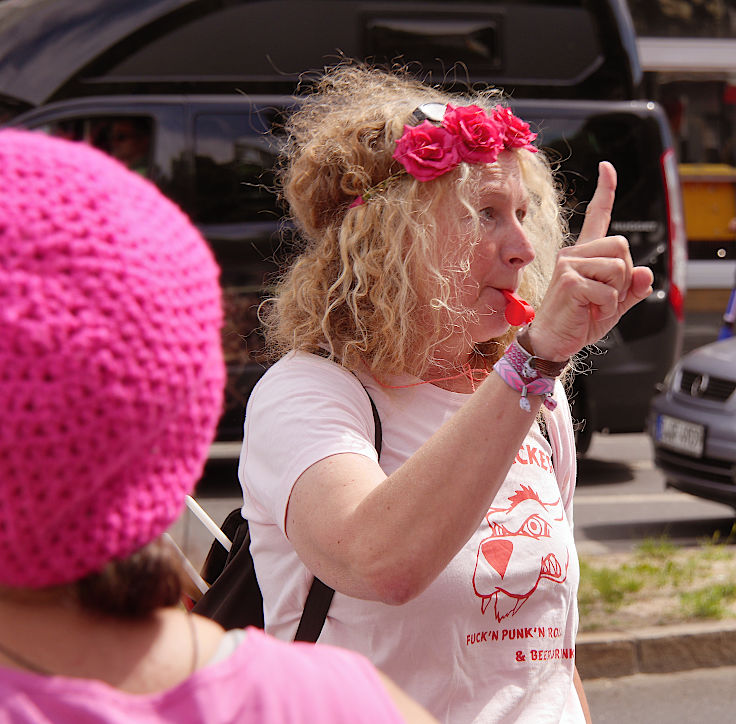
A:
(234, 599)
(378, 436)
(319, 600)
(320, 594)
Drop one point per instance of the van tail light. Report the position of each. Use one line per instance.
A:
(677, 256)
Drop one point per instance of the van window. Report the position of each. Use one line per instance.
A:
(233, 170)
(127, 138)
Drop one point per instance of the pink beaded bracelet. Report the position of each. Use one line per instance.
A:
(514, 369)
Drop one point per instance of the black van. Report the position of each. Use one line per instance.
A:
(187, 92)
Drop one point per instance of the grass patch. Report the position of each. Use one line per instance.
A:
(659, 583)
(660, 548)
(708, 603)
(715, 547)
(611, 585)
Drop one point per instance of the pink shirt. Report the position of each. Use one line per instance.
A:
(264, 680)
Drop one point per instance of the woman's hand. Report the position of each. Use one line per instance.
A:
(594, 283)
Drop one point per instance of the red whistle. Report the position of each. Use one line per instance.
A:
(518, 311)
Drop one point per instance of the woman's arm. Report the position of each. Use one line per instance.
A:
(581, 695)
(387, 538)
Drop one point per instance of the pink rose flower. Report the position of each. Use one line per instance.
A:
(427, 151)
(480, 138)
(517, 132)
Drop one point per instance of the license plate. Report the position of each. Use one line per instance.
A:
(685, 437)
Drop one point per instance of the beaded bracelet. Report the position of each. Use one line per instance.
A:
(516, 370)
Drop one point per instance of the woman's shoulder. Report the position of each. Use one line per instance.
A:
(306, 364)
(304, 373)
(303, 397)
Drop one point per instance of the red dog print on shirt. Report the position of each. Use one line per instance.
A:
(520, 552)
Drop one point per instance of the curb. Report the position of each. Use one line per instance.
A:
(656, 650)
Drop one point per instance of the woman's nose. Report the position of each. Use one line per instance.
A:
(518, 250)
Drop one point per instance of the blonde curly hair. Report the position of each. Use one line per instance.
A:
(369, 282)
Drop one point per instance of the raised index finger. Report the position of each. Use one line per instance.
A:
(598, 213)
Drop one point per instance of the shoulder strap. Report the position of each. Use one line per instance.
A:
(315, 611)
(378, 439)
(320, 594)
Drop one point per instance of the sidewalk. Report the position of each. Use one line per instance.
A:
(650, 633)
(658, 649)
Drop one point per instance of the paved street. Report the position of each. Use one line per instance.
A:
(621, 499)
(702, 695)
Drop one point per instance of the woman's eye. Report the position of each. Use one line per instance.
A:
(521, 214)
(487, 213)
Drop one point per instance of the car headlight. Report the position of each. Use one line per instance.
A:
(670, 378)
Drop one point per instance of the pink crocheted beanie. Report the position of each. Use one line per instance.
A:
(111, 369)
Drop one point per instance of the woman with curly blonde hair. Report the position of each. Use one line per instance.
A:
(432, 232)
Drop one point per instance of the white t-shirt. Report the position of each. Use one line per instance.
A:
(492, 639)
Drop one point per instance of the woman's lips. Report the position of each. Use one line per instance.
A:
(518, 311)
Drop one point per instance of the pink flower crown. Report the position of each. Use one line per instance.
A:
(448, 135)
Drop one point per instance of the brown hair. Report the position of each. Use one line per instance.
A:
(136, 586)
(133, 587)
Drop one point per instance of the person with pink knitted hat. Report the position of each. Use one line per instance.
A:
(111, 384)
